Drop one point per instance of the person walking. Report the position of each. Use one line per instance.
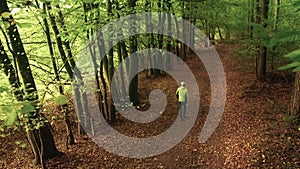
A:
(182, 97)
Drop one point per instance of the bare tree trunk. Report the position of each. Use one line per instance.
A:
(101, 48)
(294, 107)
(276, 17)
(9, 71)
(262, 60)
(133, 86)
(250, 17)
(169, 28)
(111, 68)
(184, 36)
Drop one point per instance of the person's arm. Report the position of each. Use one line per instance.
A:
(186, 96)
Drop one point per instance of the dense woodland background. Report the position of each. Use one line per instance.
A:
(41, 39)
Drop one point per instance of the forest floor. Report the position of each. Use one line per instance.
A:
(255, 131)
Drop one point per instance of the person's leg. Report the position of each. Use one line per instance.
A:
(181, 110)
(184, 109)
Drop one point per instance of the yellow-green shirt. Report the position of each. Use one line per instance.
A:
(182, 94)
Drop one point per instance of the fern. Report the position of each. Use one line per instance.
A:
(295, 57)
(285, 37)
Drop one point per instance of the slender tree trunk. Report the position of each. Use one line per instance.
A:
(64, 108)
(120, 60)
(169, 28)
(70, 69)
(150, 40)
(257, 21)
(276, 17)
(77, 73)
(111, 68)
(160, 36)
(92, 49)
(101, 48)
(262, 60)
(184, 35)
(133, 86)
(294, 107)
(9, 71)
(250, 17)
(177, 42)
(98, 92)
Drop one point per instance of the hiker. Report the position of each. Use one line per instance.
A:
(182, 96)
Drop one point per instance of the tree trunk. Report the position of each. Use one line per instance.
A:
(262, 60)
(9, 71)
(184, 35)
(77, 73)
(294, 107)
(169, 27)
(133, 86)
(250, 18)
(111, 68)
(64, 108)
(276, 17)
(101, 48)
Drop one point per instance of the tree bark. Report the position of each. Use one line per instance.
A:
(9, 71)
(250, 18)
(133, 86)
(294, 107)
(262, 60)
(112, 113)
(169, 27)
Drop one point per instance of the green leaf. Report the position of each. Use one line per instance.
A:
(23, 145)
(289, 66)
(294, 55)
(25, 25)
(4, 89)
(10, 118)
(5, 14)
(18, 142)
(297, 69)
(61, 100)
(27, 108)
(285, 37)
(18, 107)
